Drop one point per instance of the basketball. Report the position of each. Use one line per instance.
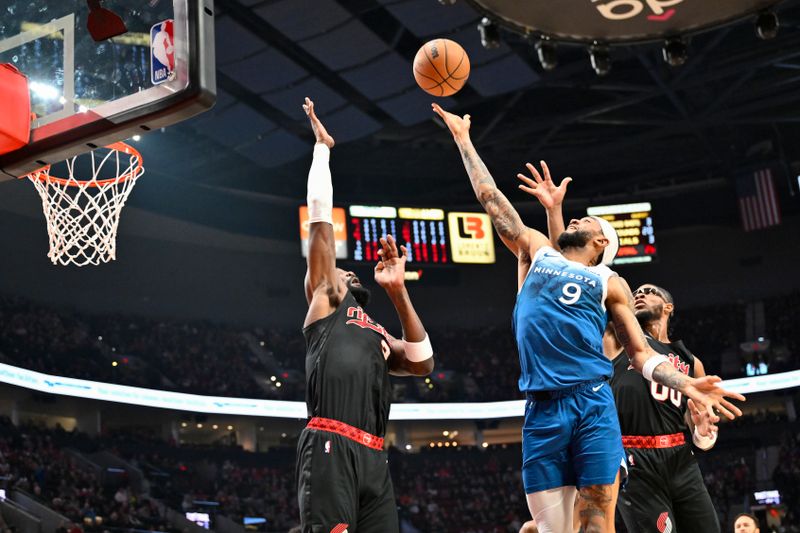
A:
(441, 67)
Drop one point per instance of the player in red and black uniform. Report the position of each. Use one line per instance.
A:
(665, 491)
(342, 471)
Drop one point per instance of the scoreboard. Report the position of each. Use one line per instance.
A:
(431, 235)
(421, 231)
(634, 225)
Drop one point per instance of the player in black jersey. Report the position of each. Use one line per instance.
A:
(342, 471)
(665, 491)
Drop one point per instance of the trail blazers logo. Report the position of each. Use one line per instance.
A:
(664, 523)
(471, 237)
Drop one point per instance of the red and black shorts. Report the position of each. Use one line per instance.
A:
(665, 491)
(343, 482)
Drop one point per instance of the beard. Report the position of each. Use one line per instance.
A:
(360, 293)
(575, 239)
(647, 315)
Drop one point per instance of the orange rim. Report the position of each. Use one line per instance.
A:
(43, 174)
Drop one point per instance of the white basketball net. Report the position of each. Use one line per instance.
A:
(83, 215)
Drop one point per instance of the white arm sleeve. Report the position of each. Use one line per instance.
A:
(320, 186)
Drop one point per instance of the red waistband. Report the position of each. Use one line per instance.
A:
(653, 441)
(345, 430)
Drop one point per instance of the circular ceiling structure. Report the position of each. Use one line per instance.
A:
(616, 21)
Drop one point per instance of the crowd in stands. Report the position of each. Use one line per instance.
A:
(464, 491)
(207, 358)
(38, 462)
(219, 481)
(438, 490)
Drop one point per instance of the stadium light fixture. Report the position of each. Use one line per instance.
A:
(546, 50)
(490, 33)
(675, 52)
(767, 25)
(601, 59)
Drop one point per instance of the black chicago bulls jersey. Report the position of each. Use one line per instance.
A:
(649, 408)
(347, 376)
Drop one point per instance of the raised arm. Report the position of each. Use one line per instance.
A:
(413, 355)
(322, 286)
(703, 391)
(521, 240)
(550, 196)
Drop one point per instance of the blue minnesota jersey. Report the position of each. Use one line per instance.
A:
(559, 321)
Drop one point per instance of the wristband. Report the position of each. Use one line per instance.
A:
(704, 443)
(418, 351)
(651, 364)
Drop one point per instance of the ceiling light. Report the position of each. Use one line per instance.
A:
(546, 50)
(675, 52)
(601, 59)
(490, 33)
(767, 25)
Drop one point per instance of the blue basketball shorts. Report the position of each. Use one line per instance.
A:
(572, 439)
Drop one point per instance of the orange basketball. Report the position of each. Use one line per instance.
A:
(441, 67)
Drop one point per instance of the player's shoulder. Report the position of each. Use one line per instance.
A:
(544, 252)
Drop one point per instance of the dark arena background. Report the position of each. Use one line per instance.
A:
(164, 390)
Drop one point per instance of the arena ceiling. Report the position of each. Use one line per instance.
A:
(644, 131)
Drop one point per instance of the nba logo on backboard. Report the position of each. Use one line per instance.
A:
(162, 52)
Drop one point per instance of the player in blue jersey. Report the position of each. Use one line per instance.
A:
(571, 435)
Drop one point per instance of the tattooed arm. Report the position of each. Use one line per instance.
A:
(704, 391)
(521, 240)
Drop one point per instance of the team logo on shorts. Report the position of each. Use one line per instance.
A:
(340, 528)
(664, 523)
(327, 446)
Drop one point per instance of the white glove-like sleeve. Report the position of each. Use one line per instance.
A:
(320, 186)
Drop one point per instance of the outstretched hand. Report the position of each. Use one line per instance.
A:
(701, 420)
(544, 189)
(712, 399)
(320, 132)
(458, 126)
(391, 268)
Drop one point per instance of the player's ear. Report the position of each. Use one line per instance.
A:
(601, 240)
(669, 308)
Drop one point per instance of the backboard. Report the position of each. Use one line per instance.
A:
(86, 93)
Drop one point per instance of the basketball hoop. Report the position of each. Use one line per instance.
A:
(83, 215)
